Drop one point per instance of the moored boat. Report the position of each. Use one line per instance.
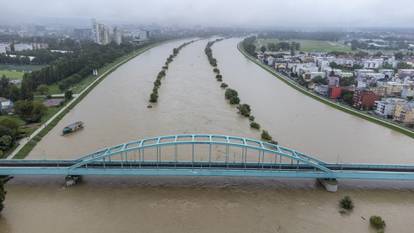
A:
(72, 127)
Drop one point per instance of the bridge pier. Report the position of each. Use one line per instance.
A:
(71, 180)
(331, 185)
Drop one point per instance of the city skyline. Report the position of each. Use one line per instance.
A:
(261, 13)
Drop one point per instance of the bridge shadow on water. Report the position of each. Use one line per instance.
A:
(241, 183)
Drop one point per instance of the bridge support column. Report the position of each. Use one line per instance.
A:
(71, 180)
(331, 185)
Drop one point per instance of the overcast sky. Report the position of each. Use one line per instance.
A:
(251, 13)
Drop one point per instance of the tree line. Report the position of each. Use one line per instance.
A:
(248, 45)
(75, 67)
(157, 83)
(232, 95)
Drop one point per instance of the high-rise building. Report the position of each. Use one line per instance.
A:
(101, 33)
(117, 36)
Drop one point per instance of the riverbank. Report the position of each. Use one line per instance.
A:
(27, 144)
(338, 106)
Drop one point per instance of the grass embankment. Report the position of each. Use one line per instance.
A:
(25, 150)
(310, 45)
(343, 108)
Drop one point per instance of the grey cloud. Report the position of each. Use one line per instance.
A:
(262, 13)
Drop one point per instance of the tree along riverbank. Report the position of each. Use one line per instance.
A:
(346, 109)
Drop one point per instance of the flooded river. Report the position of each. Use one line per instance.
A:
(191, 101)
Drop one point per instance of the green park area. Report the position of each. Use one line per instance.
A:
(17, 71)
(309, 45)
(12, 74)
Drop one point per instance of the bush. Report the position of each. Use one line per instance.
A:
(68, 95)
(230, 93)
(266, 136)
(216, 70)
(346, 203)
(153, 97)
(224, 85)
(234, 100)
(251, 118)
(157, 83)
(377, 222)
(254, 125)
(43, 89)
(244, 110)
(2, 194)
(273, 142)
(30, 111)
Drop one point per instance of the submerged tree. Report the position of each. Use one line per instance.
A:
(244, 110)
(3, 192)
(254, 125)
(266, 136)
(346, 203)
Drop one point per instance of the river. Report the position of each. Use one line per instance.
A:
(191, 101)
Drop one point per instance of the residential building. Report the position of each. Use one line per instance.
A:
(407, 91)
(372, 63)
(404, 112)
(311, 75)
(322, 89)
(402, 73)
(393, 88)
(335, 92)
(21, 47)
(6, 105)
(100, 33)
(4, 47)
(364, 99)
(333, 81)
(270, 61)
(387, 72)
(386, 107)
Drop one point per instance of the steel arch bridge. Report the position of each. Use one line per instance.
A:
(204, 155)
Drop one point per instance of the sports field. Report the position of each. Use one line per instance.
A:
(12, 74)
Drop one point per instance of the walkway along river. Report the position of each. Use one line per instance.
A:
(116, 111)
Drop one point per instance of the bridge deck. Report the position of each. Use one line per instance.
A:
(153, 168)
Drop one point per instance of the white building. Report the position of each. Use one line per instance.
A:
(22, 46)
(408, 88)
(311, 75)
(4, 47)
(6, 105)
(322, 89)
(386, 107)
(373, 63)
(101, 33)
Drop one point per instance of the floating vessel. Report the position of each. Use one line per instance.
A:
(72, 127)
